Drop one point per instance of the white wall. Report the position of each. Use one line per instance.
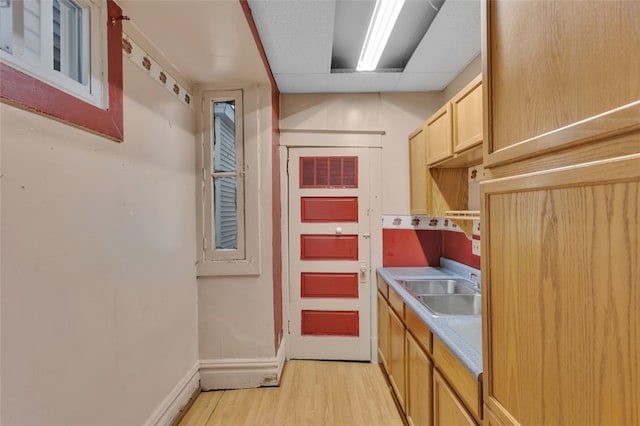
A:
(236, 313)
(466, 75)
(99, 310)
(395, 114)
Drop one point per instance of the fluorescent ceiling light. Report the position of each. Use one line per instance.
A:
(383, 19)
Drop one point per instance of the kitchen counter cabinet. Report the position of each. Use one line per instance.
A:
(448, 410)
(419, 384)
(397, 374)
(414, 353)
(383, 332)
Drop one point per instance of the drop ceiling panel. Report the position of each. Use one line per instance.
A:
(452, 41)
(296, 35)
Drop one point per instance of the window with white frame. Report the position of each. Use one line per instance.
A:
(60, 42)
(229, 243)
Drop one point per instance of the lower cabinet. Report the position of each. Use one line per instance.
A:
(411, 356)
(447, 408)
(419, 384)
(397, 357)
(383, 332)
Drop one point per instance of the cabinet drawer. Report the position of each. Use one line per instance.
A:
(396, 303)
(467, 387)
(383, 287)
(419, 330)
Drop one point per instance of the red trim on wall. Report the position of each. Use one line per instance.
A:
(409, 247)
(27, 92)
(330, 323)
(275, 181)
(329, 209)
(456, 246)
(328, 247)
(329, 285)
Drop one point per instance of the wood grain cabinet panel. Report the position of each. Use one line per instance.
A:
(397, 358)
(439, 133)
(448, 410)
(383, 332)
(418, 171)
(466, 107)
(561, 287)
(419, 384)
(573, 80)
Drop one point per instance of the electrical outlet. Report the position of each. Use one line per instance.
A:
(475, 247)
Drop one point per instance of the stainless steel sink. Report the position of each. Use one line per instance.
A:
(422, 287)
(452, 304)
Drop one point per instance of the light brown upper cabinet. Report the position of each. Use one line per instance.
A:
(466, 107)
(574, 80)
(418, 171)
(438, 129)
(456, 128)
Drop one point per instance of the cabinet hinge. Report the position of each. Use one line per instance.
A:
(204, 243)
(289, 326)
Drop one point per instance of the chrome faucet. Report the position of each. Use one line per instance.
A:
(474, 279)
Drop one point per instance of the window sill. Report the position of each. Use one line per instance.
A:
(221, 268)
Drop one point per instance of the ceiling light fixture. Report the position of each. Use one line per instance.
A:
(385, 14)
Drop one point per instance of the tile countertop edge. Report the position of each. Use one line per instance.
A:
(439, 325)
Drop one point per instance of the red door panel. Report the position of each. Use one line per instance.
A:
(328, 247)
(329, 209)
(330, 323)
(329, 284)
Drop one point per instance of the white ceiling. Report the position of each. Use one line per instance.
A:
(298, 35)
(210, 42)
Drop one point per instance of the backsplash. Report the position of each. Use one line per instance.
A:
(422, 240)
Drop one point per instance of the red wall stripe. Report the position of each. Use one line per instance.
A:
(328, 247)
(330, 323)
(35, 95)
(409, 247)
(456, 246)
(275, 181)
(329, 209)
(329, 284)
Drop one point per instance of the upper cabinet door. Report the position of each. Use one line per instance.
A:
(418, 171)
(438, 127)
(558, 74)
(467, 116)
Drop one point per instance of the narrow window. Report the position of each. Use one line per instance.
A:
(224, 198)
(225, 175)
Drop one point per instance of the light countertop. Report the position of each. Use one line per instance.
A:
(462, 334)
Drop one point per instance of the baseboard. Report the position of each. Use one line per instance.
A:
(177, 399)
(242, 373)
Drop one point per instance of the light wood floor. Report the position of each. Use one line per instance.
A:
(327, 393)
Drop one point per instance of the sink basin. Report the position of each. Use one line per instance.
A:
(452, 304)
(421, 287)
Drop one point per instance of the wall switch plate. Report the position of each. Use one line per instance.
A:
(475, 247)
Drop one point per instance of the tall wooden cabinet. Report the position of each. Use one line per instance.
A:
(561, 209)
